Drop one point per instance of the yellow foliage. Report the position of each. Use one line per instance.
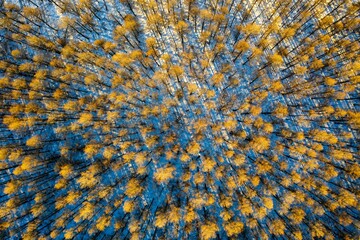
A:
(197, 201)
(161, 220)
(112, 116)
(317, 64)
(276, 86)
(87, 180)
(104, 192)
(251, 28)
(151, 141)
(281, 111)
(277, 227)
(91, 150)
(260, 213)
(135, 236)
(133, 188)
(128, 206)
(205, 14)
(346, 199)
(226, 215)
(11, 6)
(176, 71)
(226, 202)
(130, 23)
(109, 46)
(323, 136)
(86, 211)
(140, 158)
(69, 233)
(115, 82)
(242, 176)
(123, 59)
(16, 125)
(85, 118)
(119, 31)
(60, 183)
(164, 174)
(258, 122)
(230, 124)
(255, 110)
(16, 53)
(150, 42)
(38, 197)
(239, 160)
(217, 78)
(354, 171)
(34, 141)
(54, 234)
(297, 215)
(341, 155)
(10, 187)
(263, 166)
(330, 81)
(198, 178)
(326, 21)
(354, 119)
(330, 172)
(27, 163)
(4, 226)
(312, 164)
(200, 124)
(190, 215)
(136, 54)
(245, 207)
(103, 222)
(67, 51)
(208, 230)
(109, 152)
(298, 235)
(233, 228)
(276, 59)
(25, 67)
(288, 32)
(174, 215)
(37, 84)
(37, 209)
(260, 144)
(58, 94)
(193, 148)
(4, 82)
(255, 181)
(10, 204)
(128, 156)
(345, 219)
(181, 26)
(65, 170)
(268, 128)
(208, 164)
(210, 200)
(210, 93)
(268, 203)
(242, 45)
(318, 230)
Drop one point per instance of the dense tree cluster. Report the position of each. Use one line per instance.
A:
(147, 119)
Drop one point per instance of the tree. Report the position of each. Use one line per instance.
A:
(208, 230)
(259, 143)
(241, 116)
(163, 175)
(233, 228)
(34, 141)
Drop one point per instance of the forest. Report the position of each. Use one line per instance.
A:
(179, 119)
